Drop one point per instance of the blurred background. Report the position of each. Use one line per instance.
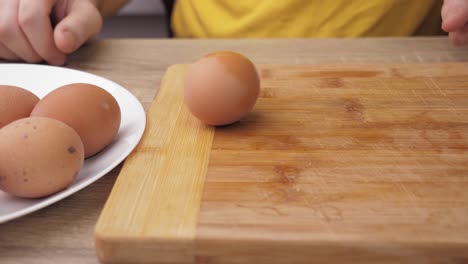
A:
(139, 19)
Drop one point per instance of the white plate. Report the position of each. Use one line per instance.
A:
(41, 79)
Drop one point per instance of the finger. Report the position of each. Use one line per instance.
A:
(6, 53)
(11, 35)
(82, 22)
(459, 38)
(34, 20)
(454, 15)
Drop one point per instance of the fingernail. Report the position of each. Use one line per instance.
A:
(70, 40)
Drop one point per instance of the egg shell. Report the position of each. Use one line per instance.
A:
(90, 110)
(15, 103)
(38, 157)
(221, 88)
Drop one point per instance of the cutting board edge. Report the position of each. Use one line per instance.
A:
(116, 249)
(326, 250)
(174, 244)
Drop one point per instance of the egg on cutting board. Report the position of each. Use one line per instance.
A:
(38, 157)
(15, 103)
(90, 110)
(221, 88)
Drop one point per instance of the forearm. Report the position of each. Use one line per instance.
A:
(109, 7)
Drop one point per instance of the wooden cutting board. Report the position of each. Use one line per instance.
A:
(343, 163)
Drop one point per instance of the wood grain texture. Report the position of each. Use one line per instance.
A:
(63, 232)
(152, 211)
(343, 163)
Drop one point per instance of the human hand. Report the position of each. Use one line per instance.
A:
(454, 21)
(27, 32)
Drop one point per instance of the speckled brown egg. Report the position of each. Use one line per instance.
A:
(15, 103)
(90, 110)
(38, 157)
(221, 88)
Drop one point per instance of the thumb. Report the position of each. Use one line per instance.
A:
(454, 15)
(81, 22)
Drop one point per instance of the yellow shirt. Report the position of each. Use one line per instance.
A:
(305, 18)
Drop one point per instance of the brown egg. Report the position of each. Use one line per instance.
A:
(90, 110)
(38, 157)
(221, 88)
(15, 103)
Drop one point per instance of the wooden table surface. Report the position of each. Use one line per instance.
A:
(63, 232)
